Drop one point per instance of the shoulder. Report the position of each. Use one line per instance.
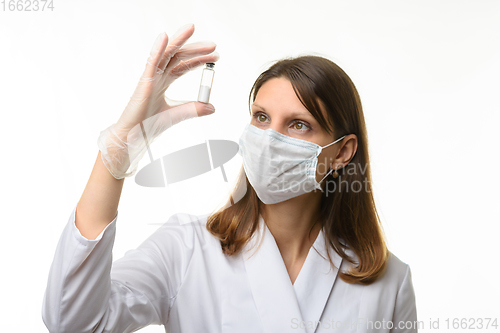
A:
(175, 244)
(396, 279)
(183, 232)
(397, 269)
(396, 273)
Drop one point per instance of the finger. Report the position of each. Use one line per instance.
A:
(155, 56)
(190, 51)
(202, 109)
(195, 49)
(180, 37)
(183, 112)
(186, 66)
(181, 30)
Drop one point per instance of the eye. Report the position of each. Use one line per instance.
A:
(261, 117)
(297, 125)
(300, 126)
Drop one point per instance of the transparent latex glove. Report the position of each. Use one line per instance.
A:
(149, 112)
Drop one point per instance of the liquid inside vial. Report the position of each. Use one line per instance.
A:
(204, 94)
(206, 82)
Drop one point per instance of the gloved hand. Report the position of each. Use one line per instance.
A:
(149, 112)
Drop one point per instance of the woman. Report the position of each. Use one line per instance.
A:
(297, 248)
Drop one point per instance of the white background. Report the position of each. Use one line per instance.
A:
(427, 72)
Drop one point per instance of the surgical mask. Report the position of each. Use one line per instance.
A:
(277, 166)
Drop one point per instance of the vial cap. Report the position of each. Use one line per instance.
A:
(210, 64)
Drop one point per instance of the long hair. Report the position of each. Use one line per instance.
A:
(348, 214)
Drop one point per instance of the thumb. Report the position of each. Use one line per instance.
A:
(176, 114)
(204, 109)
(201, 109)
(158, 123)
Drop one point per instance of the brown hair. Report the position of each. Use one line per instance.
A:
(349, 218)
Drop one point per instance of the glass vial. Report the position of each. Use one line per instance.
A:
(206, 82)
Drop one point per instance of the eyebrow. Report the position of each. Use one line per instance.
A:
(293, 114)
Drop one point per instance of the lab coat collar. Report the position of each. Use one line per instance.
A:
(284, 307)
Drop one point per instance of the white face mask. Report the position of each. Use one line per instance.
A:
(277, 166)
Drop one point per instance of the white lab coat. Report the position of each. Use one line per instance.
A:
(180, 278)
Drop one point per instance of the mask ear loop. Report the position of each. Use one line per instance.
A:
(318, 186)
(333, 142)
(321, 148)
(329, 172)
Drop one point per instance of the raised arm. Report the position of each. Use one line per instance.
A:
(82, 295)
(98, 204)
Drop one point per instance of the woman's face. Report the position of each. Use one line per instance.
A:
(277, 107)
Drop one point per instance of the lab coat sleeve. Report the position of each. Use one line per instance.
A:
(405, 311)
(86, 292)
